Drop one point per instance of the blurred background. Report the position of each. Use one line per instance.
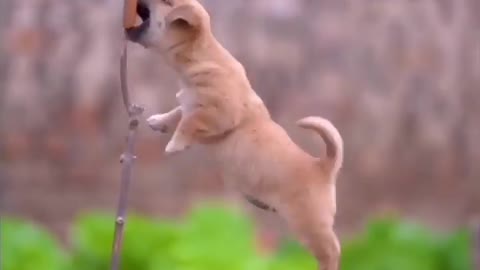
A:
(399, 79)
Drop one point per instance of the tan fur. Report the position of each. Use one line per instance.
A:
(218, 108)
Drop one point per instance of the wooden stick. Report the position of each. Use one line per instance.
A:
(129, 13)
(127, 159)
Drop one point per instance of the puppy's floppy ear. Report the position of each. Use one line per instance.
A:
(184, 16)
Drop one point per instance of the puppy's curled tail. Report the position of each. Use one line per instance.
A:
(331, 137)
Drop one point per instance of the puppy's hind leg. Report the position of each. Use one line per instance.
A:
(315, 231)
(165, 122)
(325, 246)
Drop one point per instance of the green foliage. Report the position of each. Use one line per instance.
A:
(28, 247)
(216, 238)
(292, 255)
(93, 238)
(389, 244)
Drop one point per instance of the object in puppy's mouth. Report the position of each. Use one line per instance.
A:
(129, 13)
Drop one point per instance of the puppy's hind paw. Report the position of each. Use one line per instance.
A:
(157, 122)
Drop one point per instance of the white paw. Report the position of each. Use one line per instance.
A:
(176, 144)
(178, 94)
(173, 147)
(157, 122)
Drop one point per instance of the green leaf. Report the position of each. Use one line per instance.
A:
(29, 247)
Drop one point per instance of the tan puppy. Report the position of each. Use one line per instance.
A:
(219, 109)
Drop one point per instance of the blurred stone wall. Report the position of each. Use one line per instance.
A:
(400, 79)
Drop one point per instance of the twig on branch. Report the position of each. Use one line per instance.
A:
(127, 159)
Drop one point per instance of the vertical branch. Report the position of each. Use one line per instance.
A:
(6, 10)
(127, 159)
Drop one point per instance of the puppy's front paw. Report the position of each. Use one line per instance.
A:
(176, 144)
(157, 122)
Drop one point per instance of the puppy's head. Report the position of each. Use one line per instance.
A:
(167, 24)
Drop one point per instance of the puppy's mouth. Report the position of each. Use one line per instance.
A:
(136, 32)
(143, 11)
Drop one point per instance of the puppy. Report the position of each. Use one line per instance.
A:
(219, 109)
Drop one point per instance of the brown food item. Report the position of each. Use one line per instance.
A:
(129, 13)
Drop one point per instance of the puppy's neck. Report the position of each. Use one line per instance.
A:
(199, 60)
(187, 49)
